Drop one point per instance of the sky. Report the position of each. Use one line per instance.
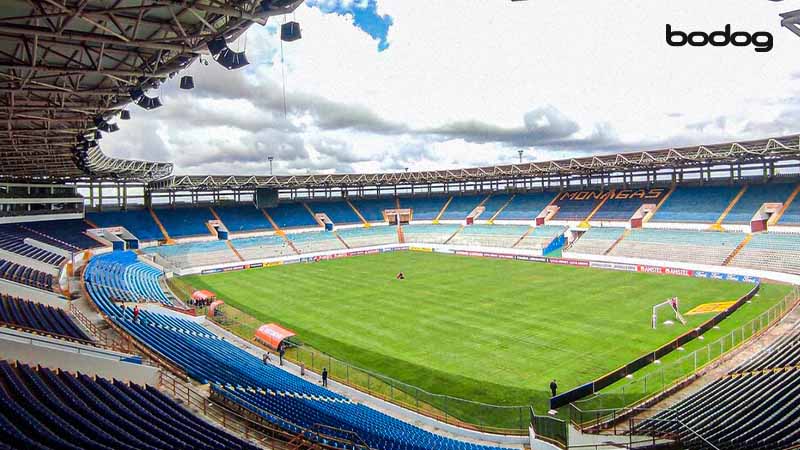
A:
(390, 85)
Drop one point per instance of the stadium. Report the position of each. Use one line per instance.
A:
(638, 299)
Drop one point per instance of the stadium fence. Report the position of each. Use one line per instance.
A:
(606, 408)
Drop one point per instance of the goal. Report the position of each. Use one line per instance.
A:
(674, 304)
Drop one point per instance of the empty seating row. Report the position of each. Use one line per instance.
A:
(755, 406)
(489, 235)
(429, 234)
(337, 210)
(185, 221)
(577, 208)
(771, 251)
(424, 208)
(700, 247)
(195, 254)
(137, 221)
(239, 218)
(292, 215)
(597, 240)
(261, 247)
(755, 196)
(43, 409)
(461, 205)
(525, 206)
(67, 234)
(372, 209)
(315, 241)
(25, 275)
(12, 240)
(696, 204)
(365, 237)
(540, 237)
(230, 369)
(36, 316)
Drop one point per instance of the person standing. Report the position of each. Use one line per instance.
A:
(136, 313)
(553, 387)
(265, 358)
(281, 352)
(325, 376)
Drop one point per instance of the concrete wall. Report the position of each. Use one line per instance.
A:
(58, 354)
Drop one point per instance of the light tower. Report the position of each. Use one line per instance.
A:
(270, 158)
(520, 155)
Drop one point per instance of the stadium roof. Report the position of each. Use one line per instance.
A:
(63, 63)
(764, 150)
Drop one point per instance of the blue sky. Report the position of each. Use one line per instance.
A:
(365, 17)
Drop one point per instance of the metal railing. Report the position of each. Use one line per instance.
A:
(615, 402)
(102, 338)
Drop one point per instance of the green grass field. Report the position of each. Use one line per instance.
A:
(494, 331)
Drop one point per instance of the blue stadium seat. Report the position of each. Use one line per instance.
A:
(185, 221)
(525, 206)
(337, 210)
(39, 317)
(423, 208)
(292, 215)
(696, 204)
(372, 209)
(242, 218)
(138, 221)
(461, 205)
(755, 196)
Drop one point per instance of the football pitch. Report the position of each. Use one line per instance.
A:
(492, 331)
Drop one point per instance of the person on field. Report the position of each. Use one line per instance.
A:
(325, 376)
(553, 387)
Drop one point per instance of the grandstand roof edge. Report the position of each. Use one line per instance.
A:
(768, 149)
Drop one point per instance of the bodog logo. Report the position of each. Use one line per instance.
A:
(761, 40)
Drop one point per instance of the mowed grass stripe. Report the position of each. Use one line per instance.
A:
(494, 331)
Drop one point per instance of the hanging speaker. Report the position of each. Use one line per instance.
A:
(138, 96)
(290, 32)
(98, 135)
(187, 82)
(226, 57)
(125, 115)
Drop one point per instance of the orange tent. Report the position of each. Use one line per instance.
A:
(273, 334)
(213, 307)
(203, 295)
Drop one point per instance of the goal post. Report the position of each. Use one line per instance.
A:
(674, 304)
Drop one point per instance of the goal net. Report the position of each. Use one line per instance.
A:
(671, 304)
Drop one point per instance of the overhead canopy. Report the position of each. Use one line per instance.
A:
(203, 295)
(273, 334)
(213, 307)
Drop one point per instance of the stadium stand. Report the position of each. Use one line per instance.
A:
(238, 218)
(755, 196)
(137, 221)
(17, 312)
(574, 208)
(365, 237)
(490, 235)
(292, 215)
(461, 205)
(44, 409)
(67, 234)
(184, 221)
(792, 214)
(372, 209)
(700, 247)
(429, 234)
(19, 273)
(696, 204)
(493, 205)
(278, 396)
(194, 254)
(315, 241)
(338, 211)
(13, 240)
(771, 250)
(540, 237)
(625, 202)
(261, 247)
(525, 206)
(597, 240)
(424, 208)
(755, 406)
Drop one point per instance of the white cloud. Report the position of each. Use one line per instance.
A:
(465, 83)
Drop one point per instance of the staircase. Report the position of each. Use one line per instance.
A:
(585, 222)
(400, 236)
(523, 236)
(160, 226)
(652, 213)
(279, 232)
(358, 213)
(776, 217)
(505, 205)
(625, 234)
(718, 224)
(444, 208)
(233, 249)
(454, 234)
(738, 249)
(346, 245)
